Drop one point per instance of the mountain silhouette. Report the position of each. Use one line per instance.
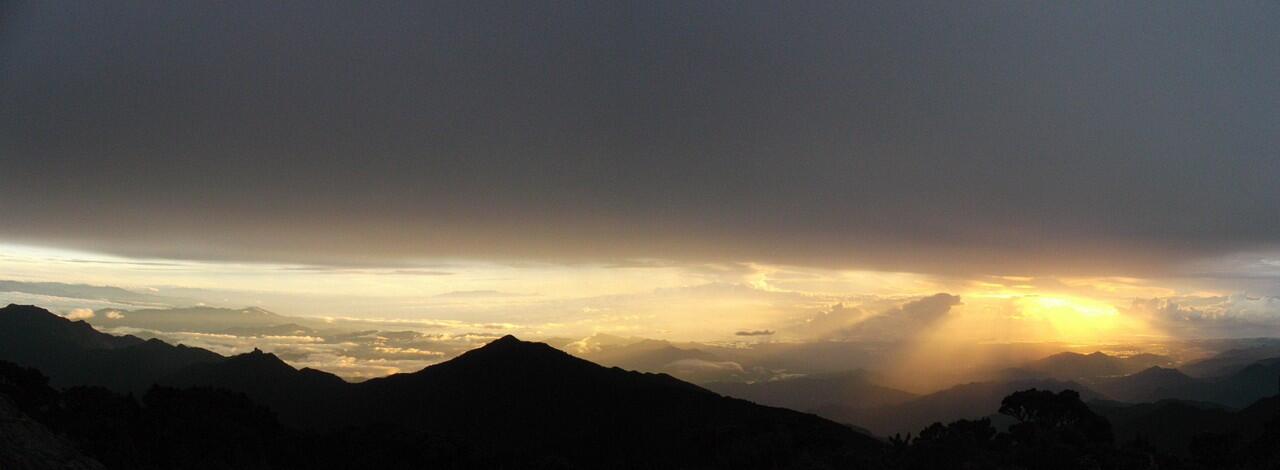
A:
(523, 398)
(191, 319)
(1150, 385)
(509, 403)
(295, 395)
(1232, 360)
(1236, 390)
(1174, 425)
(74, 353)
(1084, 367)
(1167, 424)
(518, 404)
(84, 291)
(965, 401)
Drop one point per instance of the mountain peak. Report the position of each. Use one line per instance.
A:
(509, 344)
(256, 311)
(506, 339)
(25, 309)
(258, 355)
(510, 353)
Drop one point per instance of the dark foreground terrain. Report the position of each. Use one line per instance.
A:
(72, 397)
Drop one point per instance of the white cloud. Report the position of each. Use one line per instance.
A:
(693, 365)
(1236, 315)
(79, 314)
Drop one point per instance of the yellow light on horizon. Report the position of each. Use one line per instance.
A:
(1088, 308)
(1078, 320)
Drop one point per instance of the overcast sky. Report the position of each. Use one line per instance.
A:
(968, 137)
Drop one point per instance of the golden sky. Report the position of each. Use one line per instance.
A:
(690, 302)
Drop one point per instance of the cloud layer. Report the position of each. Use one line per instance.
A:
(921, 136)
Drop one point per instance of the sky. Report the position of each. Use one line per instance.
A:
(1081, 171)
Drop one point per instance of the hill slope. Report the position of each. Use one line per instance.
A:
(531, 399)
(510, 403)
(73, 353)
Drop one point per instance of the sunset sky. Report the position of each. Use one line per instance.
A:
(1026, 171)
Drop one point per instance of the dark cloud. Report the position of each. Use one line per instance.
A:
(904, 321)
(831, 321)
(926, 310)
(754, 333)
(925, 136)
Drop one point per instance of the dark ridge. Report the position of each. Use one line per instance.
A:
(507, 402)
(73, 353)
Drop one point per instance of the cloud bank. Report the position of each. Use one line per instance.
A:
(934, 136)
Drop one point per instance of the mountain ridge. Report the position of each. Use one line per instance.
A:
(518, 401)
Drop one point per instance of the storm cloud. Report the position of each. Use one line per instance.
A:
(919, 136)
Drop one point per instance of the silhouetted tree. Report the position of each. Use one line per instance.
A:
(961, 444)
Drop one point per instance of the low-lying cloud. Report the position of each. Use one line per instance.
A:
(79, 314)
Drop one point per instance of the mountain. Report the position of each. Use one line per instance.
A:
(852, 389)
(294, 394)
(88, 292)
(1076, 366)
(73, 353)
(529, 399)
(966, 401)
(1150, 385)
(190, 319)
(1232, 360)
(1255, 381)
(508, 404)
(1242, 388)
(1174, 425)
(1166, 424)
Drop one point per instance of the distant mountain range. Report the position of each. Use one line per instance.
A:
(193, 319)
(517, 404)
(107, 294)
(510, 401)
(855, 399)
(73, 353)
(966, 401)
(1076, 366)
(1152, 384)
(1232, 360)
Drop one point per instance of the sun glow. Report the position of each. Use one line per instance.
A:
(1077, 320)
(1057, 305)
